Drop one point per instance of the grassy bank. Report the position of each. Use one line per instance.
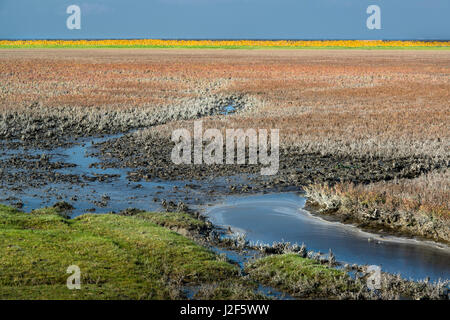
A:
(120, 257)
(305, 278)
(302, 277)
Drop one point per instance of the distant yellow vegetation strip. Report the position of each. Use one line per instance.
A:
(155, 43)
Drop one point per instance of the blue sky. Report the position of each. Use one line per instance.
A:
(225, 19)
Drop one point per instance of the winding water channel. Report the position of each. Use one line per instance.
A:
(272, 218)
(263, 218)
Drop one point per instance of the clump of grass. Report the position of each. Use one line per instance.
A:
(60, 208)
(301, 277)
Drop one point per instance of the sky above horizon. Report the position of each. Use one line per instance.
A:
(225, 19)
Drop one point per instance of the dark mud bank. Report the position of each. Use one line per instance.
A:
(401, 222)
(296, 169)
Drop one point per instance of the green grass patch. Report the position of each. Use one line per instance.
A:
(120, 257)
(301, 277)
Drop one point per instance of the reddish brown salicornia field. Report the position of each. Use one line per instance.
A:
(383, 104)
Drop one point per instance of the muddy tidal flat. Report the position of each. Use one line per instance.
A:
(364, 145)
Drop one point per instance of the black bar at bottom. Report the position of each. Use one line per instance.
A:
(223, 309)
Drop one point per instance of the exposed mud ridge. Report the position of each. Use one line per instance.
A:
(409, 223)
(48, 127)
(151, 158)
